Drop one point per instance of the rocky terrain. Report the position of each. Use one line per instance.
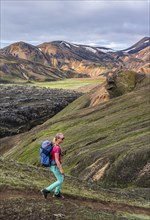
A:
(69, 60)
(23, 107)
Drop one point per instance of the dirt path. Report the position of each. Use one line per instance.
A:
(78, 201)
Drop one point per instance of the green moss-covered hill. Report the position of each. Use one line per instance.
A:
(106, 143)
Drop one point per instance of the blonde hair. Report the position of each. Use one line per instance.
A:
(57, 136)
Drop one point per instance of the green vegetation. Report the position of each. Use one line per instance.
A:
(124, 83)
(105, 158)
(113, 136)
(81, 199)
(68, 83)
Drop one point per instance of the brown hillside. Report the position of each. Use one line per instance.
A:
(117, 84)
(25, 51)
(84, 60)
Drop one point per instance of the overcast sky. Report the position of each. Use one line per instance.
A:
(115, 24)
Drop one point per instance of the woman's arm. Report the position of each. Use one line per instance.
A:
(58, 163)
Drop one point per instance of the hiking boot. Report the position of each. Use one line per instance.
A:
(59, 195)
(44, 193)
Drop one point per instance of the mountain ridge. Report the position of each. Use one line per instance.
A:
(81, 59)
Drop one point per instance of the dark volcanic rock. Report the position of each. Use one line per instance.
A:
(23, 107)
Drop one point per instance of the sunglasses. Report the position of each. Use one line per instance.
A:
(62, 138)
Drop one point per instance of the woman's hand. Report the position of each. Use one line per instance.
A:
(62, 171)
(58, 163)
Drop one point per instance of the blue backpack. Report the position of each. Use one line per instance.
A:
(45, 153)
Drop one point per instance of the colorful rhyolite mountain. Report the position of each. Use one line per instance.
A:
(70, 60)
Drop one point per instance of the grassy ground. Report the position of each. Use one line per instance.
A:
(72, 84)
(114, 133)
(108, 143)
(20, 197)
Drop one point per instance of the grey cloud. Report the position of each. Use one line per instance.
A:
(97, 22)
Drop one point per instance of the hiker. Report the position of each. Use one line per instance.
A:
(56, 168)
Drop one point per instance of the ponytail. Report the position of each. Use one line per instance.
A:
(57, 136)
(54, 140)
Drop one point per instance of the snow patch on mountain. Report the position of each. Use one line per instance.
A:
(130, 49)
(105, 50)
(65, 44)
(74, 45)
(91, 49)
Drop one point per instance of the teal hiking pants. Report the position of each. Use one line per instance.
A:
(60, 178)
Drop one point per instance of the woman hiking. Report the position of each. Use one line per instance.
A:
(56, 168)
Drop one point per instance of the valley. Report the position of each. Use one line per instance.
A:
(76, 84)
(99, 99)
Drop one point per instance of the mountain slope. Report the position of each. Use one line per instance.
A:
(106, 143)
(73, 60)
(16, 70)
(20, 197)
(80, 59)
(136, 57)
(140, 45)
(24, 51)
